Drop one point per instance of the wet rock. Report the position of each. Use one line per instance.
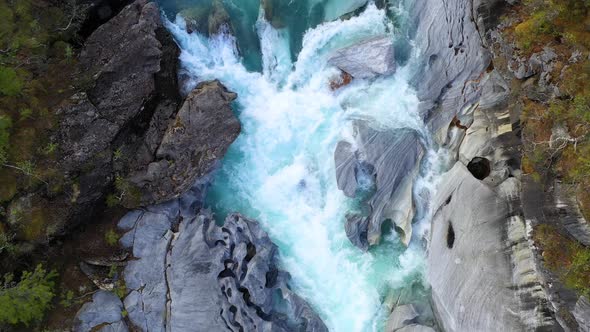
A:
(342, 8)
(356, 228)
(389, 160)
(194, 141)
(104, 314)
(342, 80)
(192, 272)
(479, 168)
(366, 59)
(402, 316)
(207, 19)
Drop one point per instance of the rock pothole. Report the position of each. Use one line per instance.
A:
(479, 167)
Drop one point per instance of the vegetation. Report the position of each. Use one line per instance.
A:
(37, 63)
(26, 301)
(545, 20)
(567, 258)
(556, 126)
(120, 289)
(556, 132)
(111, 238)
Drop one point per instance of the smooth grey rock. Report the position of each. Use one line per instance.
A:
(452, 62)
(356, 229)
(144, 276)
(105, 310)
(366, 59)
(348, 168)
(190, 272)
(416, 328)
(570, 216)
(474, 277)
(401, 316)
(471, 263)
(389, 160)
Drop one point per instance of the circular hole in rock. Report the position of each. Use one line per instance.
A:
(479, 167)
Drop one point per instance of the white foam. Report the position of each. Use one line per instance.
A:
(281, 168)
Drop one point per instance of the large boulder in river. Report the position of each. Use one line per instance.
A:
(366, 59)
(119, 136)
(189, 272)
(384, 166)
(129, 65)
(196, 138)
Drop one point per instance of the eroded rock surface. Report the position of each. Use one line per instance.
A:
(190, 270)
(384, 165)
(366, 59)
(453, 60)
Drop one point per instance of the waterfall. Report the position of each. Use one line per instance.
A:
(280, 170)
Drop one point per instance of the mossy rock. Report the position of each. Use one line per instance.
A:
(29, 219)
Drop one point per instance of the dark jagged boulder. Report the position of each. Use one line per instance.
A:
(123, 136)
(194, 141)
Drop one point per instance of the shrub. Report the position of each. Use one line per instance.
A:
(111, 238)
(529, 30)
(26, 301)
(565, 257)
(10, 83)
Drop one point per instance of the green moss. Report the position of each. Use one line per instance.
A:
(35, 228)
(528, 31)
(111, 238)
(567, 258)
(10, 83)
(120, 289)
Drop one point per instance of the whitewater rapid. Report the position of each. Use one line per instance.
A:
(280, 170)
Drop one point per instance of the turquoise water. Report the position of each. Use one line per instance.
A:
(281, 171)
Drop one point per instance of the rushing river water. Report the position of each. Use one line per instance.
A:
(281, 168)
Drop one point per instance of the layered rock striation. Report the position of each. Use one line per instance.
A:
(481, 260)
(383, 167)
